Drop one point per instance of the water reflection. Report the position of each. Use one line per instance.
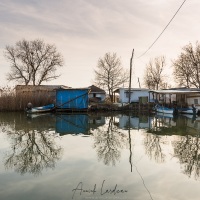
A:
(127, 121)
(77, 123)
(109, 141)
(180, 125)
(187, 150)
(72, 124)
(153, 147)
(32, 144)
(186, 146)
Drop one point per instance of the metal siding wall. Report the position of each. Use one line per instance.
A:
(80, 99)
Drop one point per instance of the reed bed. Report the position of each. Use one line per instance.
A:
(10, 101)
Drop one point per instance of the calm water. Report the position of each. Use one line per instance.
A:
(83, 157)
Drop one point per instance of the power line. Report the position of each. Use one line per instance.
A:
(163, 30)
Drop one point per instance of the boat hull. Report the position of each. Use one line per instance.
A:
(42, 109)
(162, 109)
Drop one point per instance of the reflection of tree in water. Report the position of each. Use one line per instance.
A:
(162, 126)
(187, 150)
(108, 142)
(153, 148)
(32, 151)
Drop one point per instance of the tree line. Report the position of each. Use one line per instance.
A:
(186, 69)
(34, 62)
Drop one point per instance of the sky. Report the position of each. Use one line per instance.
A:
(84, 30)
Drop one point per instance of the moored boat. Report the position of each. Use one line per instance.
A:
(41, 109)
(163, 109)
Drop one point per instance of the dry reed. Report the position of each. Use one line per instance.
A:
(10, 101)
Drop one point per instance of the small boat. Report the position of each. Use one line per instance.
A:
(41, 109)
(163, 109)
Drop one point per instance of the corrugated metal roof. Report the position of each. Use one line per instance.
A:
(175, 91)
(132, 89)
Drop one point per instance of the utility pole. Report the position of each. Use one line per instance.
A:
(131, 61)
(139, 82)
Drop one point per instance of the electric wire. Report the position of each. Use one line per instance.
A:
(163, 30)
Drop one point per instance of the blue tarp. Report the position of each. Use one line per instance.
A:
(72, 98)
(72, 124)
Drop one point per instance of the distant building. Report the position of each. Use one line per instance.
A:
(178, 96)
(141, 95)
(96, 94)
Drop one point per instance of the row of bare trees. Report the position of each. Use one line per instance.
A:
(35, 62)
(186, 69)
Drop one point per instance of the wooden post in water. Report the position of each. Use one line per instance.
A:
(129, 134)
(130, 158)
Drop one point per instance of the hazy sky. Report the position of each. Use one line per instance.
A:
(84, 30)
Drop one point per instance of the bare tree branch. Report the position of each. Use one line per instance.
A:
(110, 73)
(33, 62)
(187, 66)
(153, 76)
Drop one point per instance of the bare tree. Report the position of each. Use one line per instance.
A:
(153, 76)
(33, 62)
(187, 66)
(110, 73)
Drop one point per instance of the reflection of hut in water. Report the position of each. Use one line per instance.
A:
(72, 124)
(140, 122)
(96, 121)
(193, 124)
(180, 125)
(163, 120)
